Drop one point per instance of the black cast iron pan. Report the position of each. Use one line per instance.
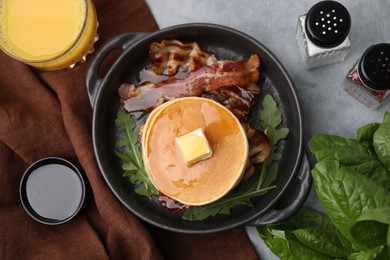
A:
(225, 43)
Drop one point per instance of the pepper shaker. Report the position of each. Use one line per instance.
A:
(369, 79)
(322, 34)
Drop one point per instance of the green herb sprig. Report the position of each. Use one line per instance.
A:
(131, 155)
(270, 119)
(270, 116)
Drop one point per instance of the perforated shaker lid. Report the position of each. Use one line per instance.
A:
(327, 24)
(374, 66)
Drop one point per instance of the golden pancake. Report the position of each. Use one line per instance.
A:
(150, 121)
(206, 180)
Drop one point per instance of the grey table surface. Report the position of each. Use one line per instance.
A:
(326, 107)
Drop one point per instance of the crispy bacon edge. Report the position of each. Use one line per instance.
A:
(206, 79)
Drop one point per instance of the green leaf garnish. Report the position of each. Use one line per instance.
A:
(270, 116)
(131, 155)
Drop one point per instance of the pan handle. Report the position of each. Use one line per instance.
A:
(293, 197)
(121, 41)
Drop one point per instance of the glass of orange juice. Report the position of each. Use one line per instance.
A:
(48, 34)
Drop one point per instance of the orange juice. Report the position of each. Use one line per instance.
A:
(48, 34)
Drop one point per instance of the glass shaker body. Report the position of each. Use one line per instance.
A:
(369, 79)
(322, 34)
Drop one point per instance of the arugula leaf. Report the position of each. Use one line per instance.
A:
(223, 205)
(270, 114)
(240, 196)
(270, 117)
(131, 155)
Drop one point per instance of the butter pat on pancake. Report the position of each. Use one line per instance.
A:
(194, 147)
(204, 181)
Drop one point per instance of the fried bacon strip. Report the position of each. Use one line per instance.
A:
(168, 56)
(183, 69)
(239, 100)
(206, 79)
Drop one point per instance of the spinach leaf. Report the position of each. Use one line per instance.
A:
(365, 135)
(308, 232)
(305, 218)
(381, 142)
(322, 240)
(279, 247)
(377, 253)
(350, 153)
(286, 246)
(276, 243)
(352, 181)
(299, 250)
(378, 221)
(345, 194)
(131, 156)
(386, 117)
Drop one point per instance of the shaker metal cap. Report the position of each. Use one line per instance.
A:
(374, 66)
(327, 24)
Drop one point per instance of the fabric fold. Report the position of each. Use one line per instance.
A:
(48, 113)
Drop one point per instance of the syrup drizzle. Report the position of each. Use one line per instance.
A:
(170, 203)
(149, 76)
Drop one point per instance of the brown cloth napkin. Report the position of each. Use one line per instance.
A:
(46, 113)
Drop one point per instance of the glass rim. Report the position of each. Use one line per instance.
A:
(58, 55)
